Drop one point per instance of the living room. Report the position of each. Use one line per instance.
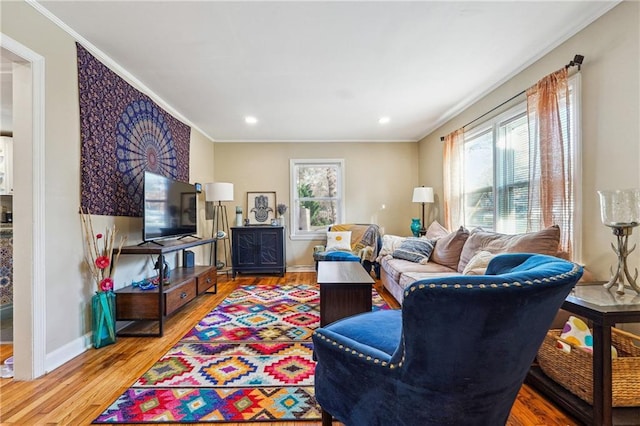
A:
(610, 154)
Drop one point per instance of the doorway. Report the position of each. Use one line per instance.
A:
(27, 128)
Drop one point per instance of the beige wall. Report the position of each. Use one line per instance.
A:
(376, 174)
(610, 121)
(68, 288)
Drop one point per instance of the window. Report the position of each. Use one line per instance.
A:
(495, 169)
(496, 161)
(316, 197)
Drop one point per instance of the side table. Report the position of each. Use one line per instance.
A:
(604, 308)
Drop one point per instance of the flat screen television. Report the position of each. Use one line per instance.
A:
(169, 208)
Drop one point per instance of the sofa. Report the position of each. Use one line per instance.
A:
(440, 253)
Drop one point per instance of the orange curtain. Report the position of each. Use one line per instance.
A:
(551, 188)
(452, 179)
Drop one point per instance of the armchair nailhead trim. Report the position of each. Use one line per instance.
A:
(561, 276)
(360, 354)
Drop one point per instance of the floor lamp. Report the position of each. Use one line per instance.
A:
(423, 195)
(219, 192)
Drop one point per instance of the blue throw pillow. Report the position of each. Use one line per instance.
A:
(414, 249)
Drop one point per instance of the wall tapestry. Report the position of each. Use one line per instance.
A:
(123, 134)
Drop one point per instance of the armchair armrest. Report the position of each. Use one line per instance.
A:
(337, 343)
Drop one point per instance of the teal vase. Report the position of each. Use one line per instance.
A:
(103, 318)
(415, 226)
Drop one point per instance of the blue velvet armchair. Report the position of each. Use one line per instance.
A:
(456, 353)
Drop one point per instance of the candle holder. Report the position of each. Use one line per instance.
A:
(620, 211)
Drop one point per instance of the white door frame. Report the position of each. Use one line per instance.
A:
(29, 325)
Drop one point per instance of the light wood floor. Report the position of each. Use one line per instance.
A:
(80, 390)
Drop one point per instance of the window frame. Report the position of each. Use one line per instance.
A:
(494, 124)
(294, 232)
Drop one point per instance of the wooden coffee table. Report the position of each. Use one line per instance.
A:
(345, 290)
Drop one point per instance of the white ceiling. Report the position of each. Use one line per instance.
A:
(323, 71)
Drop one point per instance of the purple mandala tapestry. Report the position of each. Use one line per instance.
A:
(123, 134)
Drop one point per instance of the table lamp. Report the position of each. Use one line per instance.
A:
(423, 195)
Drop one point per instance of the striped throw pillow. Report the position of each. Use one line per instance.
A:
(414, 249)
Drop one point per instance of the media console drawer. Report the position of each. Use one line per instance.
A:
(206, 280)
(179, 296)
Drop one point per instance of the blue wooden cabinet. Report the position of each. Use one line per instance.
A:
(258, 249)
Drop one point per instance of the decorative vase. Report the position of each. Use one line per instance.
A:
(103, 318)
(415, 226)
(238, 216)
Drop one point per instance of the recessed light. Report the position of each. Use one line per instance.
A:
(384, 120)
(250, 120)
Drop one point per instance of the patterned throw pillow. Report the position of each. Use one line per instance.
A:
(338, 240)
(577, 333)
(414, 249)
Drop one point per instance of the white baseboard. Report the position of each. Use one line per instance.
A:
(301, 268)
(66, 353)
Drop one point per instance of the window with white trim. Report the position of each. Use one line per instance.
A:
(495, 169)
(316, 197)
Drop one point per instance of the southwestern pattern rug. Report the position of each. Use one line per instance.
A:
(249, 359)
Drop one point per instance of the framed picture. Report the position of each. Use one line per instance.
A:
(261, 207)
(188, 211)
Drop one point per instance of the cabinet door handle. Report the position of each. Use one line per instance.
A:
(208, 280)
(183, 295)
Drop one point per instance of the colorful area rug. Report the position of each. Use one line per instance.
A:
(250, 359)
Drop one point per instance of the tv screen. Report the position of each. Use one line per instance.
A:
(169, 208)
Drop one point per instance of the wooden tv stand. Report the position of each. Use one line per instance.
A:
(184, 285)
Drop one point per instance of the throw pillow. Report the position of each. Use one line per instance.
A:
(542, 242)
(339, 240)
(390, 243)
(447, 250)
(415, 250)
(478, 263)
(436, 231)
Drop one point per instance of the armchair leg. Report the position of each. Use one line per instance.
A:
(326, 418)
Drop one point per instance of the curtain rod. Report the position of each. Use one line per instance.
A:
(575, 62)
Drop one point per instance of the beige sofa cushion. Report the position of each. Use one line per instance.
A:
(395, 267)
(436, 231)
(542, 242)
(448, 249)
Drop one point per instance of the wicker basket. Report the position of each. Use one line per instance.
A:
(574, 370)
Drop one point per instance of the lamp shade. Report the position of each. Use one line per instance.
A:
(218, 191)
(423, 195)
